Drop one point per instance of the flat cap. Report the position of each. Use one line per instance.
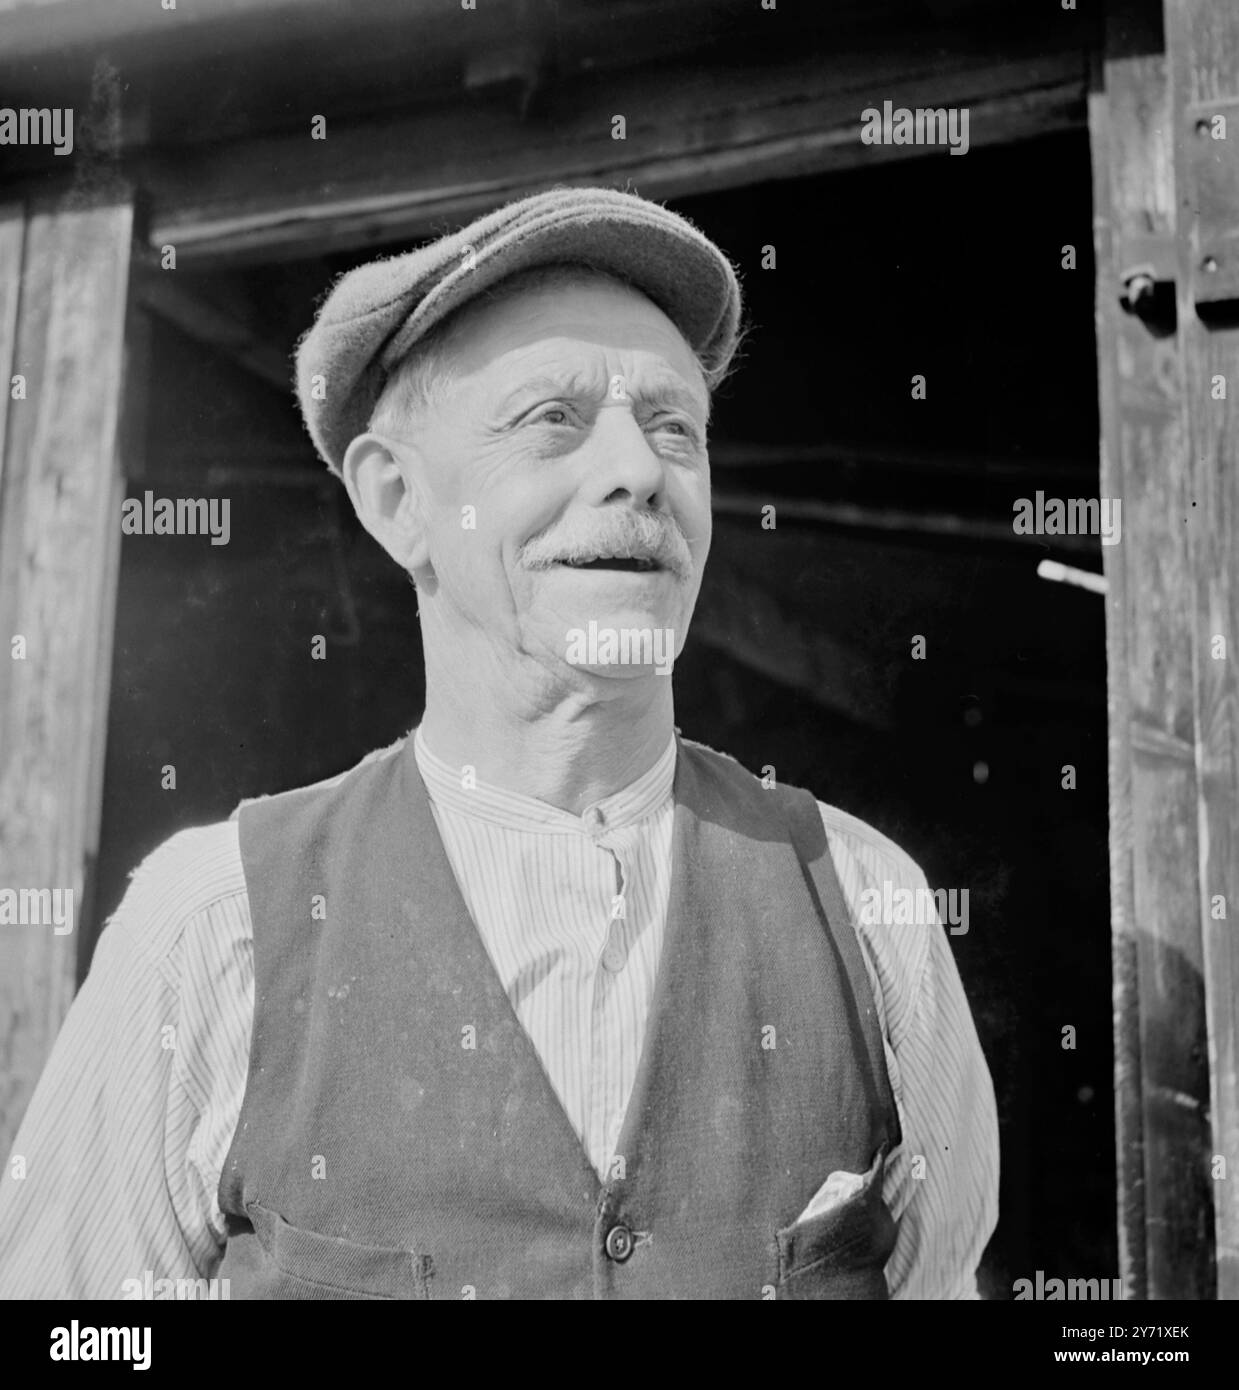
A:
(375, 313)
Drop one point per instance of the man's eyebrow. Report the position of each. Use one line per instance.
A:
(661, 390)
(665, 392)
(569, 384)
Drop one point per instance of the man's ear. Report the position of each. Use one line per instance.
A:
(384, 494)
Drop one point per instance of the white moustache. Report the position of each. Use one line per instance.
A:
(638, 537)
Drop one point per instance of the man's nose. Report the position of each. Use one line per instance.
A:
(625, 465)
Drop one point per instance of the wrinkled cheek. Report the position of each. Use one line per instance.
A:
(472, 576)
(699, 532)
(701, 553)
(533, 607)
(696, 521)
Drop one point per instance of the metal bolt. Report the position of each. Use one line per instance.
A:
(1138, 286)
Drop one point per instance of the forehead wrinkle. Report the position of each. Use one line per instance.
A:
(664, 391)
(661, 388)
(570, 382)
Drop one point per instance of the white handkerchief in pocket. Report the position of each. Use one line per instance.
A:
(833, 1193)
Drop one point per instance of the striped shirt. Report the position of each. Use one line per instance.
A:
(116, 1167)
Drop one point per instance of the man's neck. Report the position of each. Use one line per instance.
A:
(568, 748)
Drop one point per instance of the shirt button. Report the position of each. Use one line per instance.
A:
(619, 1243)
(614, 955)
(594, 819)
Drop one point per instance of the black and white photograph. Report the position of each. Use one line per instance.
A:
(618, 637)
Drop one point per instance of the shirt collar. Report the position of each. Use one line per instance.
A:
(448, 789)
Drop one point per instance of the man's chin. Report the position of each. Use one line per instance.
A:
(621, 643)
(623, 673)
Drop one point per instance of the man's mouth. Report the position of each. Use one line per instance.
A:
(627, 564)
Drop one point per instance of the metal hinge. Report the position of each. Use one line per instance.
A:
(1211, 199)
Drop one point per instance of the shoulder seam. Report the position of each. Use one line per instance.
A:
(163, 872)
(839, 822)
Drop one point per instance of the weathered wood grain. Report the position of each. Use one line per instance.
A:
(12, 234)
(1203, 45)
(59, 540)
(1161, 1085)
(713, 128)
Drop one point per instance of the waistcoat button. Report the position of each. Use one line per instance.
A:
(619, 1243)
(614, 956)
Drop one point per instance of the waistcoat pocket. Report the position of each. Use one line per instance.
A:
(840, 1253)
(339, 1268)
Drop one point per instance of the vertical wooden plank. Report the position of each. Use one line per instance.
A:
(1203, 48)
(59, 538)
(1160, 1030)
(130, 465)
(1104, 108)
(12, 235)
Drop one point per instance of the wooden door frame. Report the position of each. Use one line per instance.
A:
(1173, 586)
(64, 263)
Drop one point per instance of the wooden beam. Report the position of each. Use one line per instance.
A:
(874, 518)
(1203, 47)
(59, 541)
(363, 58)
(867, 456)
(213, 322)
(1154, 645)
(30, 28)
(711, 128)
(424, 36)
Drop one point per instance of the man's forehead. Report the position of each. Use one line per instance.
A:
(569, 312)
(592, 376)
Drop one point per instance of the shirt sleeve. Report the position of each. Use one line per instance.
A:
(941, 1182)
(114, 1169)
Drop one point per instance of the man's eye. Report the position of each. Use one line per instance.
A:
(550, 415)
(682, 428)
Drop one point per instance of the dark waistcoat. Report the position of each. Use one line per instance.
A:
(399, 1137)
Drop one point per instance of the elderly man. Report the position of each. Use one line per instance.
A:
(545, 1000)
